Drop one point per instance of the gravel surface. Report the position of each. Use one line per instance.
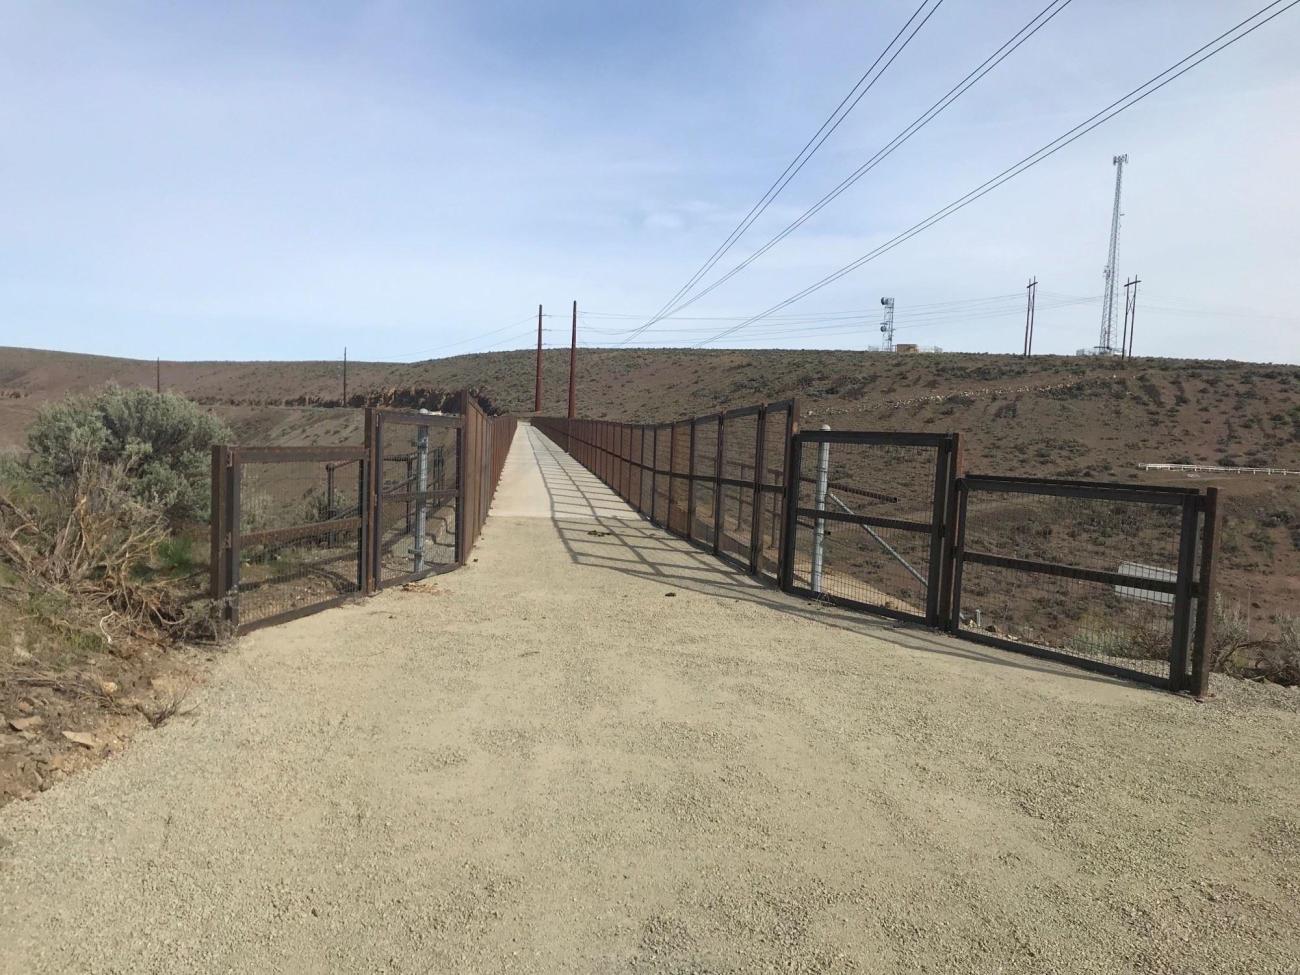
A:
(598, 750)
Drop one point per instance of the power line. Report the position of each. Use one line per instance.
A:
(452, 345)
(810, 148)
(1135, 96)
(1031, 28)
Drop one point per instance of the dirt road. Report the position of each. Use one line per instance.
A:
(597, 750)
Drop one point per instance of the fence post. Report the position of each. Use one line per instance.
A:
(232, 536)
(421, 486)
(756, 514)
(690, 486)
(672, 470)
(935, 574)
(216, 523)
(819, 525)
(366, 502)
(1178, 651)
(654, 472)
(363, 513)
(958, 557)
(950, 532)
(717, 483)
(793, 481)
(462, 482)
(1205, 597)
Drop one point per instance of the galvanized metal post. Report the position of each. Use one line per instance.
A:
(819, 525)
(233, 472)
(421, 488)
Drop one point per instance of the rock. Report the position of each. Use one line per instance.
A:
(26, 724)
(81, 738)
(108, 687)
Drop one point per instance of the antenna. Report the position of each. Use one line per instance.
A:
(1106, 344)
(887, 326)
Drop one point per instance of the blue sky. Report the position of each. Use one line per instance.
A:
(278, 180)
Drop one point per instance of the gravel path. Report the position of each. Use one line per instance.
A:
(597, 750)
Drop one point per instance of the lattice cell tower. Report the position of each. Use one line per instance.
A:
(887, 326)
(1106, 346)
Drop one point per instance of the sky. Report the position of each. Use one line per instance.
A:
(278, 181)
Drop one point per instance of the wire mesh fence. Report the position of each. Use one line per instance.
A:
(298, 529)
(417, 495)
(870, 524)
(1103, 576)
(1106, 576)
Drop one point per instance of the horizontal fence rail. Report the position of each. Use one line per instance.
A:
(718, 481)
(1112, 578)
(296, 530)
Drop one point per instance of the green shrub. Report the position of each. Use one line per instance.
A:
(162, 440)
(176, 554)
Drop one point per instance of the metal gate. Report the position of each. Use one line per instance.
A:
(416, 495)
(288, 535)
(299, 529)
(871, 521)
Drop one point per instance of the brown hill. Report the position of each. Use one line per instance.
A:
(1048, 416)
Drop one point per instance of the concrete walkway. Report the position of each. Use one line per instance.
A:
(596, 749)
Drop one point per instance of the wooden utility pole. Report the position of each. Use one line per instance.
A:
(345, 376)
(1031, 292)
(1130, 316)
(537, 389)
(157, 376)
(573, 365)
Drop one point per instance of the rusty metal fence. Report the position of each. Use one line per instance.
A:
(295, 530)
(717, 481)
(1109, 577)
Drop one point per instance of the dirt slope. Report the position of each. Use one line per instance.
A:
(552, 764)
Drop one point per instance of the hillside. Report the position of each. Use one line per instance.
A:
(1049, 416)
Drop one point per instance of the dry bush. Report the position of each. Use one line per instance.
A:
(1234, 652)
(90, 540)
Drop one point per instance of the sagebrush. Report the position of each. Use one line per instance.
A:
(162, 442)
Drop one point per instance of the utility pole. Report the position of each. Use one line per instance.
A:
(573, 366)
(1130, 316)
(537, 388)
(887, 326)
(1106, 343)
(157, 376)
(345, 375)
(1031, 292)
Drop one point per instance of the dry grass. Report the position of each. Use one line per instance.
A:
(93, 545)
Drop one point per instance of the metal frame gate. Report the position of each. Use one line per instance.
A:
(424, 491)
(894, 563)
(286, 521)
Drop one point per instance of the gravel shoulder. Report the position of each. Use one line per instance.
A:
(596, 749)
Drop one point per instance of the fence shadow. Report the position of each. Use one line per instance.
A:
(598, 529)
